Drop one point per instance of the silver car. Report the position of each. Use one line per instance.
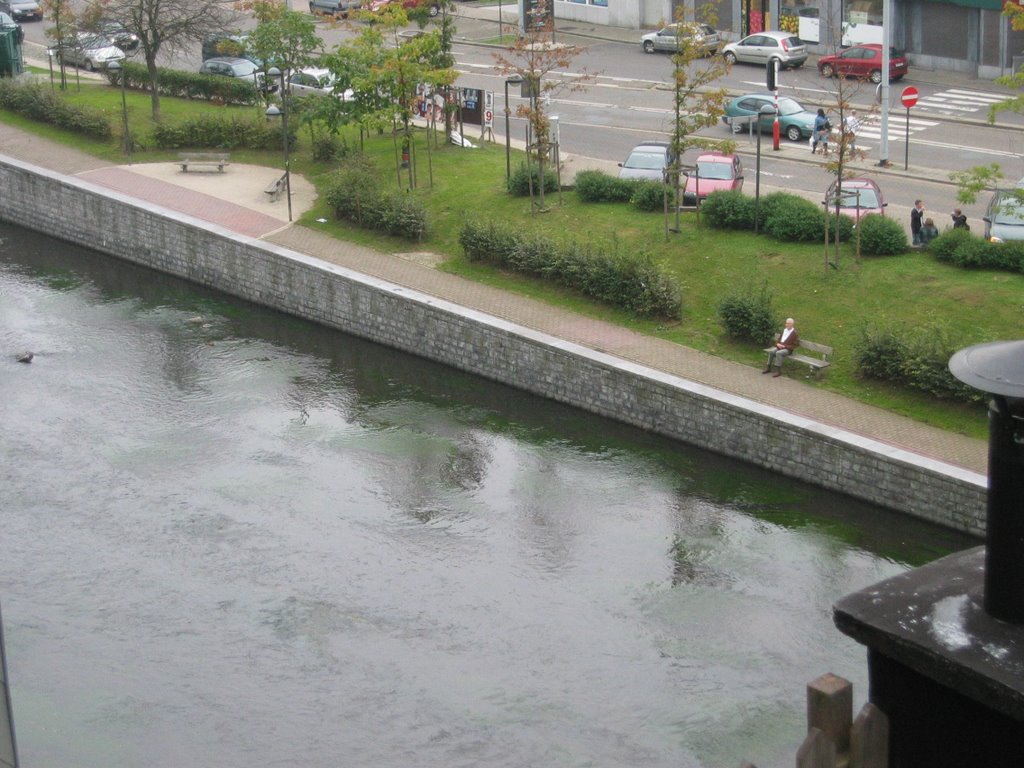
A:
(649, 160)
(89, 51)
(22, 10)
(783, 47)
(702, 36)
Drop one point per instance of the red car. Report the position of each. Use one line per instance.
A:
(857, 199)
(863, 61)
(714, 171)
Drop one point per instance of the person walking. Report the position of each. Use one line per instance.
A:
(928, 231)
(959, 220)
(789, 340)
(850, 127)
(916, 215)
(822, 126)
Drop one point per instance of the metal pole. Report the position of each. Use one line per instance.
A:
(287, 156)
(906, 143)
(883, 87)
(124, 113)
(757, 179)
(508, 146)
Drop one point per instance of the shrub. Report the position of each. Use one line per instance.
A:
(729, 209)
(880, 236)
(650, 196)
(37, 102)
(629, 280)
(599, 187)
(189, 85)
(748, 315)
(946, 244)
(960, 248)
(521, 178)
(327, 147)
(221, 132)
(792, 219)
(880, 355)
(355, 194)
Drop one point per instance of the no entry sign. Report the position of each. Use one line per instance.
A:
(909, 96)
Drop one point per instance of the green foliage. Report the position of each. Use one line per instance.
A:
(962, 249)
(521, 178)
(627, 279)
(974, 180)
(650, 196)
(215, 131)
(729, 209)
(354, 192)
(918, 358)
(190, 85)
(39, 102)
(792, 219)
(880, 236)
(327, 147)
(600, 187)
(748, 315)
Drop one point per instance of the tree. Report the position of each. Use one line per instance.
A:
(282, 38)
(533, 58)
(697, 104)
(163, 26)
(63, 30)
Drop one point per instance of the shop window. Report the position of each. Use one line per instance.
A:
(862, 22)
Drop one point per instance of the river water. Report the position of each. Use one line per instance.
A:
(231, 538)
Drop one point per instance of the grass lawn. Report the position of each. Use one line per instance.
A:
(831, 306)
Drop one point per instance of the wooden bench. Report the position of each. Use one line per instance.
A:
(822, 351)
(203, 160)
(276, 187)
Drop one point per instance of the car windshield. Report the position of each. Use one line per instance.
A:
(863, 198)
(714, 170)
(1009, 211)
(789, 107)
(648, 160)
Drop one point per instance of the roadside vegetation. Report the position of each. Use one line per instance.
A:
(878, 300)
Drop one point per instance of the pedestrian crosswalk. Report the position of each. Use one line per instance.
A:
(871, 126)
(956, 101)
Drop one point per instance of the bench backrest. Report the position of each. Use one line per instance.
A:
(821, 349)
(197, 156)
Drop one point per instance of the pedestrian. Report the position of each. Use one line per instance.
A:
(850, 127)
(789, 340)
(928, 231)
(915, 221)
(959, 220)
(822, 126)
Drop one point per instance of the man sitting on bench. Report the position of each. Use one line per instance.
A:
(789, 340)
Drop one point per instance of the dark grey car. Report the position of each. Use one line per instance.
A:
(22, 10)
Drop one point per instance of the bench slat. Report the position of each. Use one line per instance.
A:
(815, 363)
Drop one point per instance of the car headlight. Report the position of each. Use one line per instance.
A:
(994, 239)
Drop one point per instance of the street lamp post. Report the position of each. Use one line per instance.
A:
(126, 139)
(516, 79)
(767, 109)
(273, 111)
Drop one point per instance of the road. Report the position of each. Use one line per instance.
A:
(629, 100)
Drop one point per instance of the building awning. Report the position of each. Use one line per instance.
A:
(986, 5)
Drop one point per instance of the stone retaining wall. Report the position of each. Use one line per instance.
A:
(76, 211)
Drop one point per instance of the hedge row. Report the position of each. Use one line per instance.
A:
(40, 102)
(354, 192)
(629, 280)
(190, 85)
(962, 249)
(600, 187)
(222, 132)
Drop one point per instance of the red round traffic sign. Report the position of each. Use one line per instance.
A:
(909, 96)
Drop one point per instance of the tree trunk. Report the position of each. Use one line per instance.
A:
(154, 92)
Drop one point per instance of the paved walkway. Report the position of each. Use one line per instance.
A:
(235, 200)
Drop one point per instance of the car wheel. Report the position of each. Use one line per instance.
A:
(730, 57)
(876, 76)
(826, 70)
(648, 46)
(88, 65)
(793, 133)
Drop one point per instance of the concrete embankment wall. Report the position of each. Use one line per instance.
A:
(398, 317)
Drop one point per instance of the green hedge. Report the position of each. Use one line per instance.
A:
(962, 249)
(629, 280)
(748, 315)
(222, 132)
(881, 236)
(522, 177)
(354, 192)
(600, 187)
(40, 102)
(781, 215)
(190, 85)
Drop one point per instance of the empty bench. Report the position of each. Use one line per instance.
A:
(276, 187)
(204, 160)
(820, 357)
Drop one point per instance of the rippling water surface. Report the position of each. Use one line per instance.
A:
(232, 539)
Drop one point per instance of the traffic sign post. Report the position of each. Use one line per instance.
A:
(909, 99)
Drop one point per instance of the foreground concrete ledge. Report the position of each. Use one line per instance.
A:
(931, 620)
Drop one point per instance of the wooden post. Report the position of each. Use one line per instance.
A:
(817, 751)
(869, 739)
(830, 709)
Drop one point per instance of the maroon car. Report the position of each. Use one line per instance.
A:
(863, 61)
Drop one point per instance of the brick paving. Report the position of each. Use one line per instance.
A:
(414, 271)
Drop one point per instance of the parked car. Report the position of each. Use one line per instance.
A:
(236, 66)
(378, 5)
(713, 172)
(863, 61)
(336, 9)
(116, 33)
(795, 122)
(648, 161)
(89, 51)
(220, 44)
(856, 198)
(1004, 217)
(784, 47)
(703, 36)
(314, 81)
(22, 10)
